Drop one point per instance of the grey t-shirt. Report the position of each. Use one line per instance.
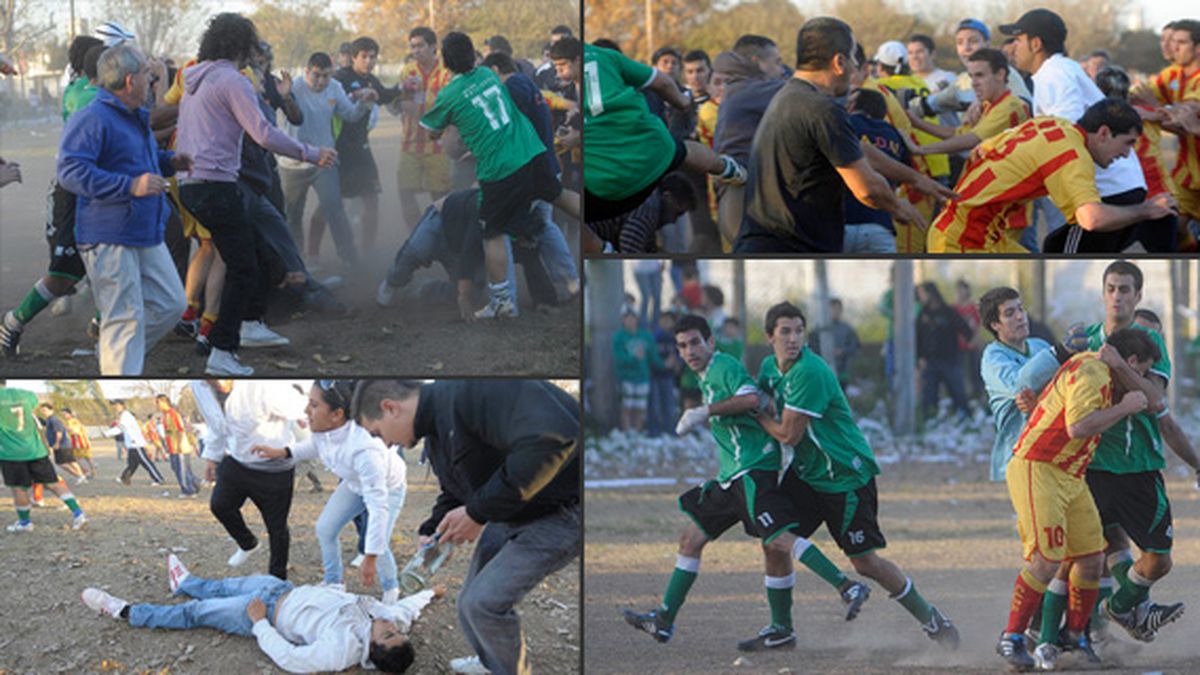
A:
(794, 193)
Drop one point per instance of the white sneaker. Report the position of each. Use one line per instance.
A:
(358, 561)
(498, 309)
(176, 573)
(20, 527)
(256, 334)
(221, 362)
(79, 522)
(468, 665)
(391, 597)
(239, 556)
(81, 480)
(41, 504)
(385, 294)
(99, 601)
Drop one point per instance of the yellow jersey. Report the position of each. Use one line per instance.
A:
(997, 116)
(424, 85)
(1044, 156)
(1082, 386)
(1172, 86)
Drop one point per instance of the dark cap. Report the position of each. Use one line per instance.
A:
(1039, 23)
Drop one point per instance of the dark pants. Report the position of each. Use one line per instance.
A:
(270, 492)
(137, 457)
(1156, 236)
(949, 373)
(220, 208)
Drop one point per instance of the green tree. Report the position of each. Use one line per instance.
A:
(297, 28)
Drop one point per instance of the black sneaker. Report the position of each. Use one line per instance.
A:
(854, 597)
(187, 329)
(941, 630)
(771, 637)
(203, 348)
(1012, 649)
(1155, 616)
(650, 622)
(10, 338)
(1132, 621)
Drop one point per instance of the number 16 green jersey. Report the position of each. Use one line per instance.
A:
(20, 436)
(497, 133)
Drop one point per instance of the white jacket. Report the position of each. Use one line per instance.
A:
(369, 468)
(320, 629)
(261, 412)
(127, 424)
(215, 437)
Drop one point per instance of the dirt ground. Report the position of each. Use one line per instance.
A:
(45, 628)
(956, 539)
(406, 339)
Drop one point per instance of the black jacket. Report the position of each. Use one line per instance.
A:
(507, 449)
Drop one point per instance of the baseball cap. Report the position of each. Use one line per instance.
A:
(113, 33)
(975, 25)
(1039, 23)
(891, 53)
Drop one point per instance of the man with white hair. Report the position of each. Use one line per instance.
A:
(109, 159)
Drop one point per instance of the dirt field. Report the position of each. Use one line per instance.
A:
(402, 340)
(44, 628)
(956, 538)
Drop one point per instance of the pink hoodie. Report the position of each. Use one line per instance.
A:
(220, 104)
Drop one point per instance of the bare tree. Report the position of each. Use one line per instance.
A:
(162, 27)
(22, 22)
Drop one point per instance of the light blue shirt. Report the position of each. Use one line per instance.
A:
(319, 109)
(1006, 372)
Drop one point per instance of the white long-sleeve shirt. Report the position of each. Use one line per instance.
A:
(368, 467)
(1062, 89)
(215, 437)
(127, 424)
(261, 412)
(321, 629)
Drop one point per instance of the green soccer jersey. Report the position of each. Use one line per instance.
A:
(625, 146)
(77, 95)
(833, 455)
(497, 133)
(1134, 444)
(20, 435)
(743, 444)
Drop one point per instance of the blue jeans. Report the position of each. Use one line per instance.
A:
(554, 251)
(342, 507)
(868, 238)
(219, 603)
(650, 288)
(509, 561)
(274, 228)
(425, 246)
(664, 409)
(329, 193)
(949, 373)
(183, 474)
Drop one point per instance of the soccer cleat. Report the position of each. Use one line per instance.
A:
(221, 362)
(1156, 616)
(20, 527)
(99, 601)
(256, 334)
(10, 335)
(79, 522)
(187, 329)
(468, 665)
(771, 637)
(81, 480)
(498, 309)
(1132, 621)
(650, 622)
(1012, 649)
(385, 294)
(1080, 645)
(941, 630)
(1045, 657)
(854, 597)
(358, 561)
(239, 556)
(176, 573)
(38, 503)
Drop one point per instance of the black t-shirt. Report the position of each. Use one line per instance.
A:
(354, 134)
(794, 191)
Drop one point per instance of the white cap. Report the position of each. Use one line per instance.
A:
(891, 53)
(113, 34)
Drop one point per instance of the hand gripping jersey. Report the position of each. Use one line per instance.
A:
(743, 444)
(1081, 386)
(1134, 444)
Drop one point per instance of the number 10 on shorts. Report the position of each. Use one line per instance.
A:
(1055, 536)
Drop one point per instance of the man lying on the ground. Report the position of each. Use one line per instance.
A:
(304, 629)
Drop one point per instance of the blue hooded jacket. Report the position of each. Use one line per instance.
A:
(105, 146)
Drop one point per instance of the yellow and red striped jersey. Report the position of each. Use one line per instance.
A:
(78, 434)
(1149, 153)
(416, 138)
(1082, 386)
(1006, 112)
(1173, 86)
(1043, 156)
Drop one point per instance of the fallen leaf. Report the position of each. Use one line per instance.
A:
(344, 358)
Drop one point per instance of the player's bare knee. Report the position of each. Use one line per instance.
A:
(1089, 567)
(1041, 568)
(691, 542)
(1157, 565)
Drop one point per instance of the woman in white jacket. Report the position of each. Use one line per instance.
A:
(373, 480)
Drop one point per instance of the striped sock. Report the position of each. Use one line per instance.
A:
(686, 571)
(1027, 594)
(1054, 603)
(23, 515)
(779, 598)
(1083, 598)
(69, 500)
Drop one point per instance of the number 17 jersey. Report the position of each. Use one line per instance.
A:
(497, 133)
(20, 437)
